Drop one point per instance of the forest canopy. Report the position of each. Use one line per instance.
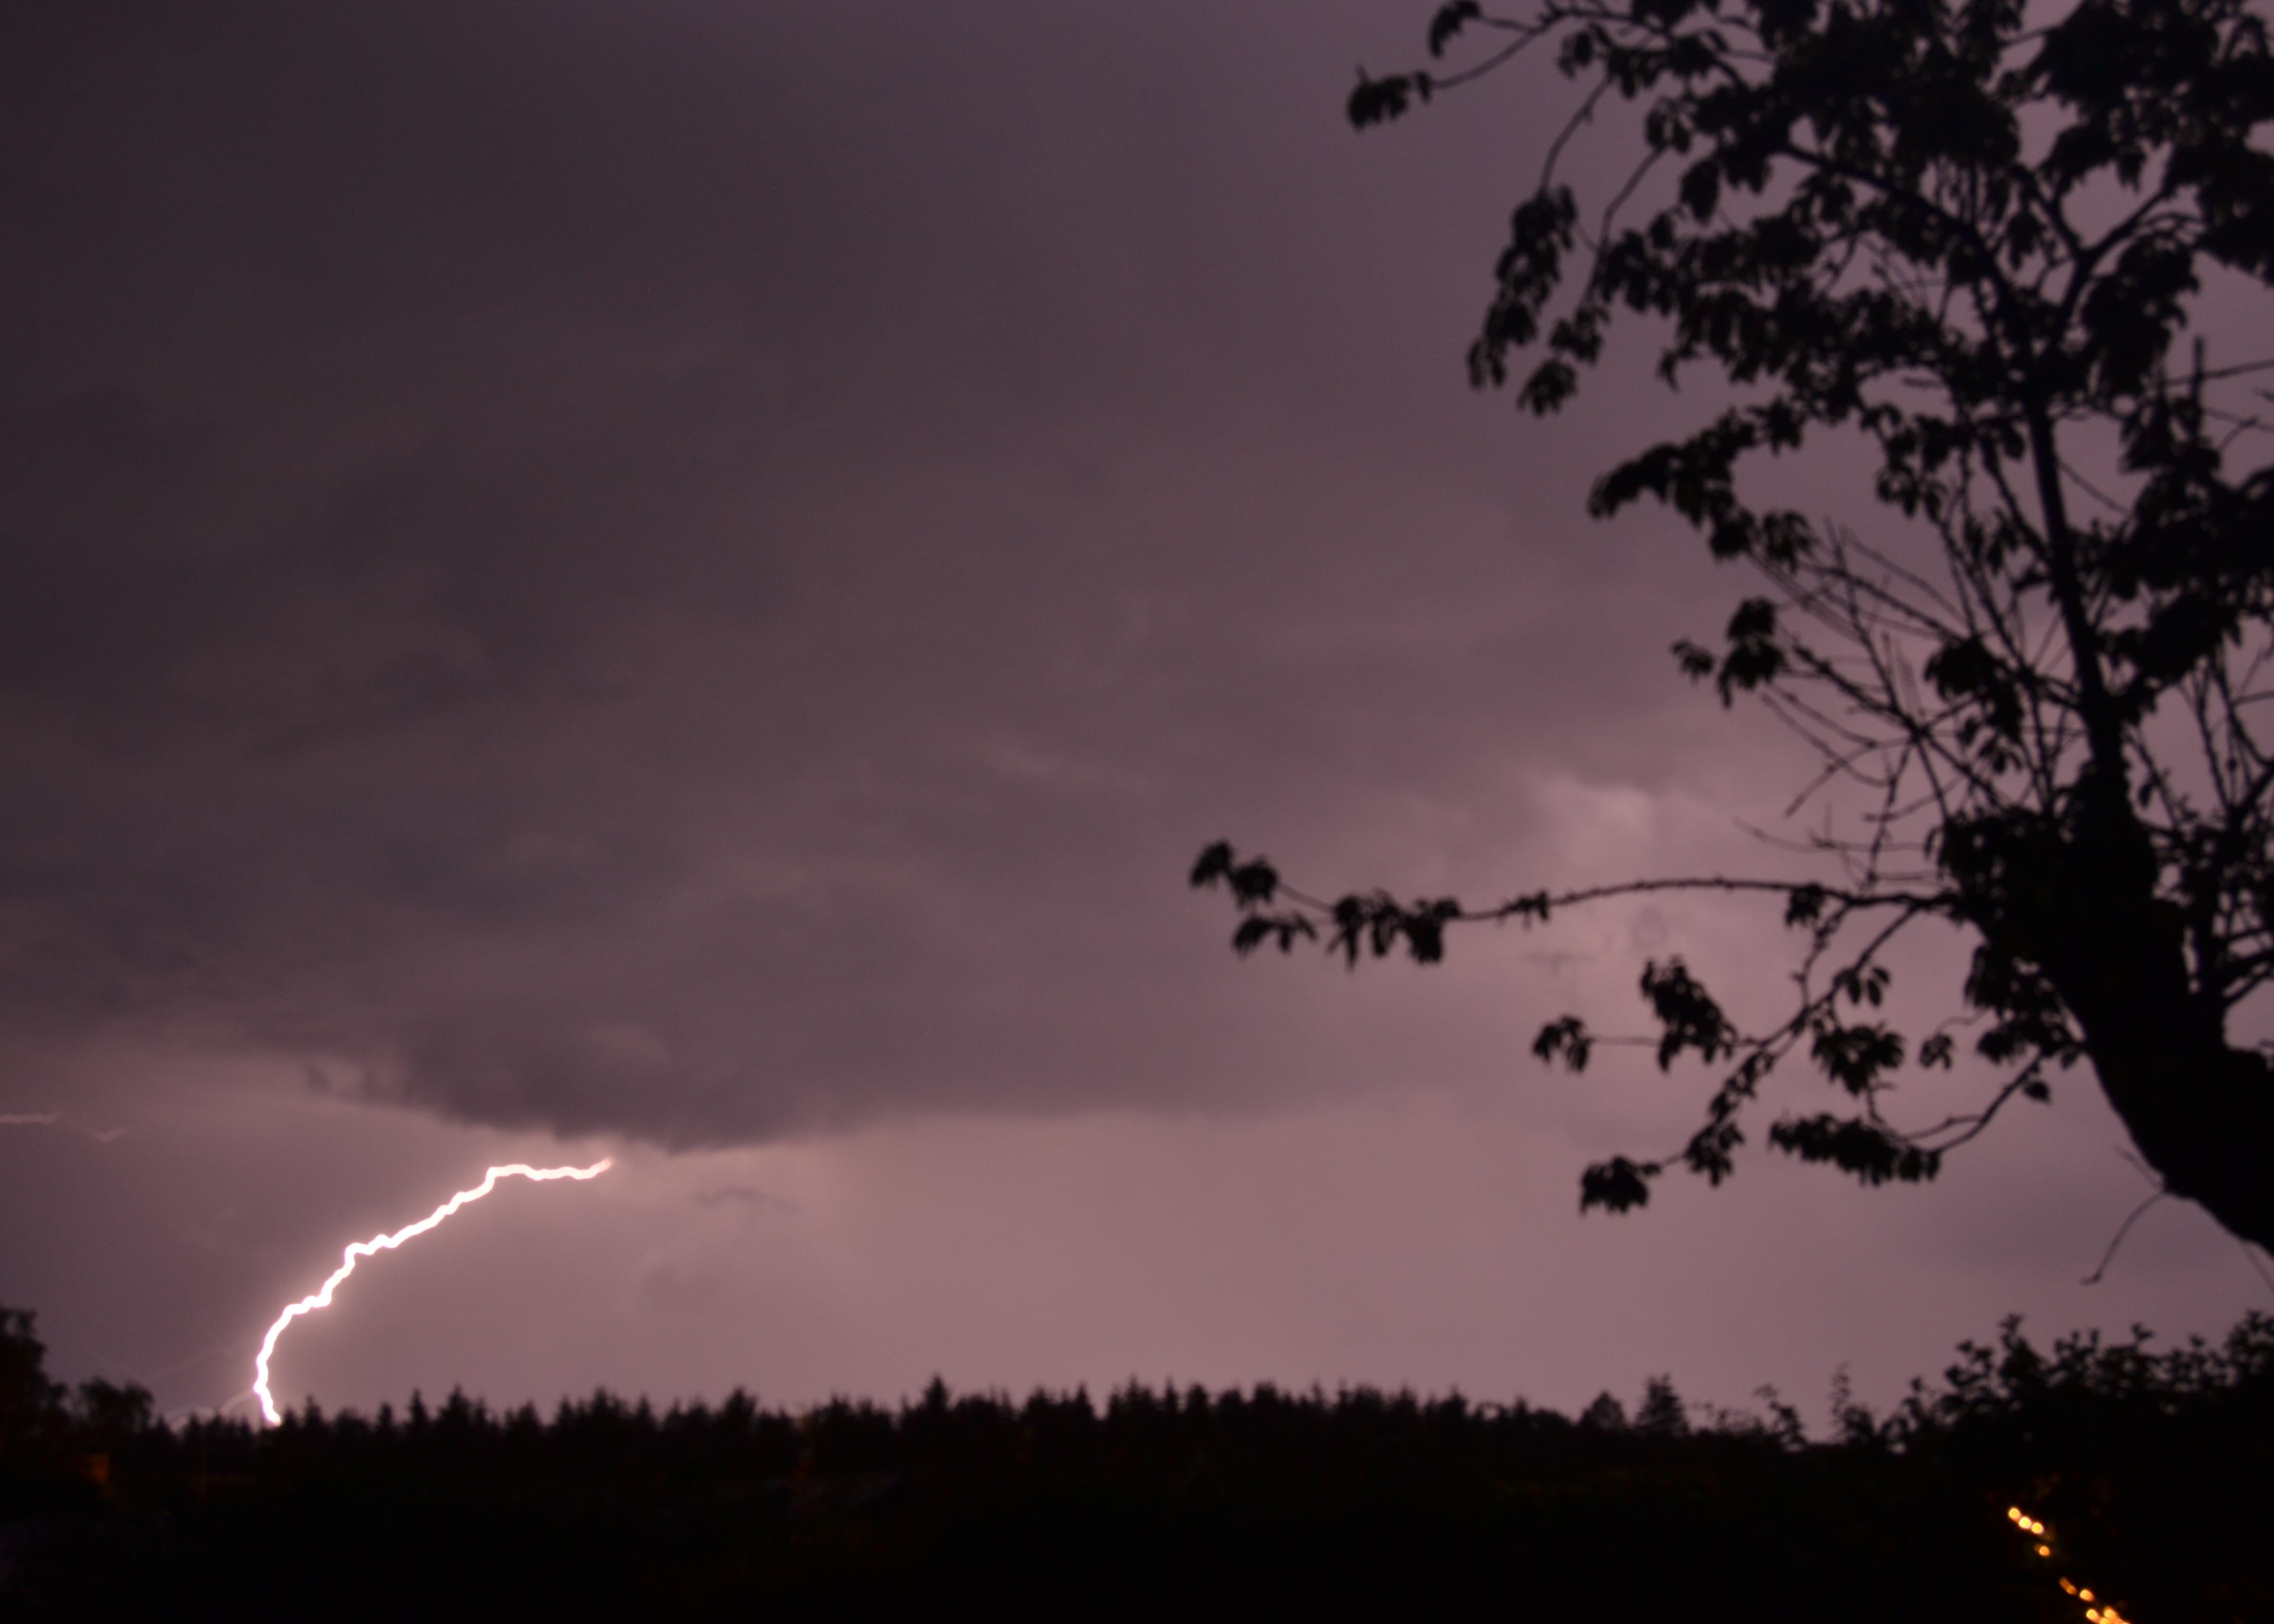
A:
(2148, 1468)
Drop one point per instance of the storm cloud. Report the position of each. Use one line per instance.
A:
(700, 571)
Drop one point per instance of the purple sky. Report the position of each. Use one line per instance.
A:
(683, 581)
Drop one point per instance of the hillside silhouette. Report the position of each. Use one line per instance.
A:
(2150, 1467)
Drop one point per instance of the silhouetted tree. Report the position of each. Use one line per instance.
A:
(1606, 1414)
(31, 1406)
(2151, 1471)
(1972, 239)
(108, 1415)
(1663, 1414)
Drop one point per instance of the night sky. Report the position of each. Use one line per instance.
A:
(684, 581)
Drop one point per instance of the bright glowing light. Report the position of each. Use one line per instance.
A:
(359, 1250)
(2027, 1524)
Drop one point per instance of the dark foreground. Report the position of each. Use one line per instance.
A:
(2151, 1471)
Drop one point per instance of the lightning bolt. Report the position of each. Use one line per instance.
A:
(360, 1250)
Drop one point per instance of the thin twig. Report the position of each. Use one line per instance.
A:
(2123, 1229)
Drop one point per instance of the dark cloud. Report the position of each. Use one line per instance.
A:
(700, 571)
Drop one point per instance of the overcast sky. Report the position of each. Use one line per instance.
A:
(684, 581)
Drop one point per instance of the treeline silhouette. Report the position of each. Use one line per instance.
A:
(2153, 1469)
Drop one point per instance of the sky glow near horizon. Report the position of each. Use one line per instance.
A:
(684, 583)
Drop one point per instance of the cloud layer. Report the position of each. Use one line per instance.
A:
(700, 572)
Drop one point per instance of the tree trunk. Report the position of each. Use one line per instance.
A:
(2199, 1110)
(2202, 1116)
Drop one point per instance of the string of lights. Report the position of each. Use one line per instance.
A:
(2096, 1611)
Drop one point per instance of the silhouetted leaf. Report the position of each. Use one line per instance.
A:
(1378, 101)
(1451, 17)
(1687, 1013)
(1805, 905)
(1872, 1153)
(1617, 1185)
(1566, 1037)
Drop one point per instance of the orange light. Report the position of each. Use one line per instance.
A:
(2085, 1595)
(2013, 1514)
(2045, 1550)
(2071, 1588)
